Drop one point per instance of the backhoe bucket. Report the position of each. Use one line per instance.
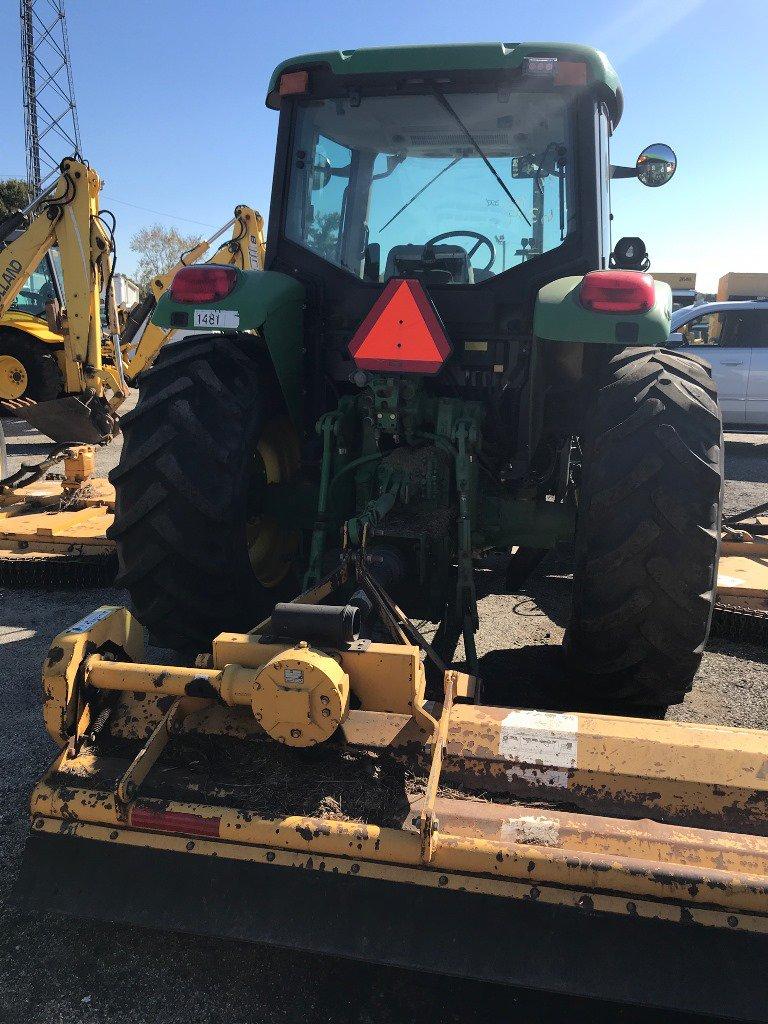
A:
(618, 859)
(65, 420)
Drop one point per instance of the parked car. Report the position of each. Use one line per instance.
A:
(733, 338)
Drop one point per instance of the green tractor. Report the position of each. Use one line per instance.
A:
(443, 359)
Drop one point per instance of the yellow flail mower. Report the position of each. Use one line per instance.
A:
(53, 525)
(296, 788)
(741, 611)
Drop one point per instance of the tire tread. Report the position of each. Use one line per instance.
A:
(647, 539)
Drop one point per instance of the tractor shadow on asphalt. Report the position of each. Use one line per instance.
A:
(545, 593)
(531, 672)
(22, 439)
(533, 676)
(746, 468)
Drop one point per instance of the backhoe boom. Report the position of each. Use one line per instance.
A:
(244, 250)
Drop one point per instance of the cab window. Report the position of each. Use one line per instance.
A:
(450, 189)
(604, 158)
(318, 217)
(38, 289)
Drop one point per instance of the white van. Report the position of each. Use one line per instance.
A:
(733, 338)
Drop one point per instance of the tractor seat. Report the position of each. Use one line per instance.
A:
(451, 264)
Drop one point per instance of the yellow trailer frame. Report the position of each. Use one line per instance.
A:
(741, 610)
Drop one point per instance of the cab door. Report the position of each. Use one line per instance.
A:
(754, 329)
(717, 337)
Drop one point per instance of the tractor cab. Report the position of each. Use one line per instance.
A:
(480, 171)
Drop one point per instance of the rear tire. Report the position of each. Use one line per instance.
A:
(42, 379)
(648, 533)
(182, 491)
(3, 453)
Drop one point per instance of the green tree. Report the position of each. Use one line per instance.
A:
(323, 235)
(159, 249)
(14, 196)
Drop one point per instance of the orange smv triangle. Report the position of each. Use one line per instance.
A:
(402, 332)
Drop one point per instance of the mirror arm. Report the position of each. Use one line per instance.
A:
(395, 160)
(339, 172)
(618, 171)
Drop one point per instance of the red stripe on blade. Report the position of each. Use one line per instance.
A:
(174, 821)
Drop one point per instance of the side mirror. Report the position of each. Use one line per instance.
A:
(656, 165)
(321, 173)
(524, 166)
(676, 340)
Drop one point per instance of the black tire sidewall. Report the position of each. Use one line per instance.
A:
(44, 380)
(206, 584)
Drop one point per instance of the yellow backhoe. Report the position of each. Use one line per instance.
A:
(66, 218)
(66, 375)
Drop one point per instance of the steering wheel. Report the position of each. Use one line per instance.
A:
(481, 240)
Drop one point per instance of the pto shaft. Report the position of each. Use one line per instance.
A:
(299, 696)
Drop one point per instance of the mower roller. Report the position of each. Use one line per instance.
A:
(441, 362)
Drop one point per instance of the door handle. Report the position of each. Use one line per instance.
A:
(737, 362)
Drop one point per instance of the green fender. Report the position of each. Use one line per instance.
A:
(262, 300)
(559, 316)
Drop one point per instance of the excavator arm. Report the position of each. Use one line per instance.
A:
(142, 340)
(68, 216)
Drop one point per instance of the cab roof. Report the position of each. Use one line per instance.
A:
(601, 74)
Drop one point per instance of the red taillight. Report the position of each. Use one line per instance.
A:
(203, 284)
(174, 821)
(571, 72)
(294, 83)
(617, 291)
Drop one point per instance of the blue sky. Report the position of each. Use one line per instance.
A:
(171, 102)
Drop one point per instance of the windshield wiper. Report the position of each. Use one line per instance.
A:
(422, 189)
(440, 97)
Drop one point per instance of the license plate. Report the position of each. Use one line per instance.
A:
(217, 319)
